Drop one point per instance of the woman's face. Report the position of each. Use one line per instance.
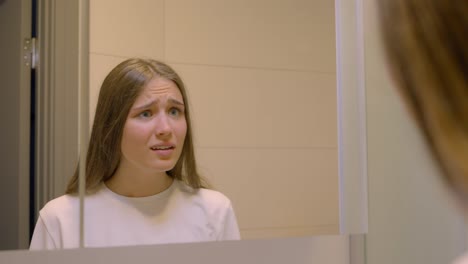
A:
(154, 133)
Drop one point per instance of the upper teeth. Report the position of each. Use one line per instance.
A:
(162, 147)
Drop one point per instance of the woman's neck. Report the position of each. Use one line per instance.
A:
(133, 184)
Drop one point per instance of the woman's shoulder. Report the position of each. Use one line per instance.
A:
(209, 197)
(68, 202)
(61, 204)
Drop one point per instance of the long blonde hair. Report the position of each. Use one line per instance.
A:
(426, 45)
(118, 93)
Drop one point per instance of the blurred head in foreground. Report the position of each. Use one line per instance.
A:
(426, 47)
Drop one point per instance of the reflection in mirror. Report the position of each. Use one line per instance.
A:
(277, 59)
(14, 137)
(261, 79)
(142, 185)
(40, 142)
(260, 76)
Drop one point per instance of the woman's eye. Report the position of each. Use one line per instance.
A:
(174, 112)
(145, 114)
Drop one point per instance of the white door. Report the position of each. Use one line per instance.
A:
(15, 27)
(39, 151)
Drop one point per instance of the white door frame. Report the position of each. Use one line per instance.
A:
(59, 81)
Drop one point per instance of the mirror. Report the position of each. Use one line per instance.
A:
(261, 81)
(14, 139)
(260, 75)
(40, 80)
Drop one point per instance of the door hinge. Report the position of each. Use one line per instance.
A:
(30, 55)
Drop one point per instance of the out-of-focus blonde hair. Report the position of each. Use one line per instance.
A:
(427, 49)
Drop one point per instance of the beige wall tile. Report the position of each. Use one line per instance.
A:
(261, 108)
(127, 27)
(294, 34)
(276, 188)
(265, 128)
(99, 67)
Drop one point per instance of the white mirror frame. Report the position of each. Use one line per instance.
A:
(351, 102)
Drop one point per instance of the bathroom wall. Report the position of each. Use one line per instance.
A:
(261, 81)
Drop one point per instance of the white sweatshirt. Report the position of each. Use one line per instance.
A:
(176, 215)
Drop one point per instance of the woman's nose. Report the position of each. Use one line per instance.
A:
(162, 126)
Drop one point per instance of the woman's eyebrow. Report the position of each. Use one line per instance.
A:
(150, 103)
(175, 101)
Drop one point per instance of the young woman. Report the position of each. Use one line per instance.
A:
(427, 47)
(142, 184)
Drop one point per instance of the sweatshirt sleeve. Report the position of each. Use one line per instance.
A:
(41, 239)
(230, 229)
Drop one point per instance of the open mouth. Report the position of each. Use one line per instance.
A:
(162, 147)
